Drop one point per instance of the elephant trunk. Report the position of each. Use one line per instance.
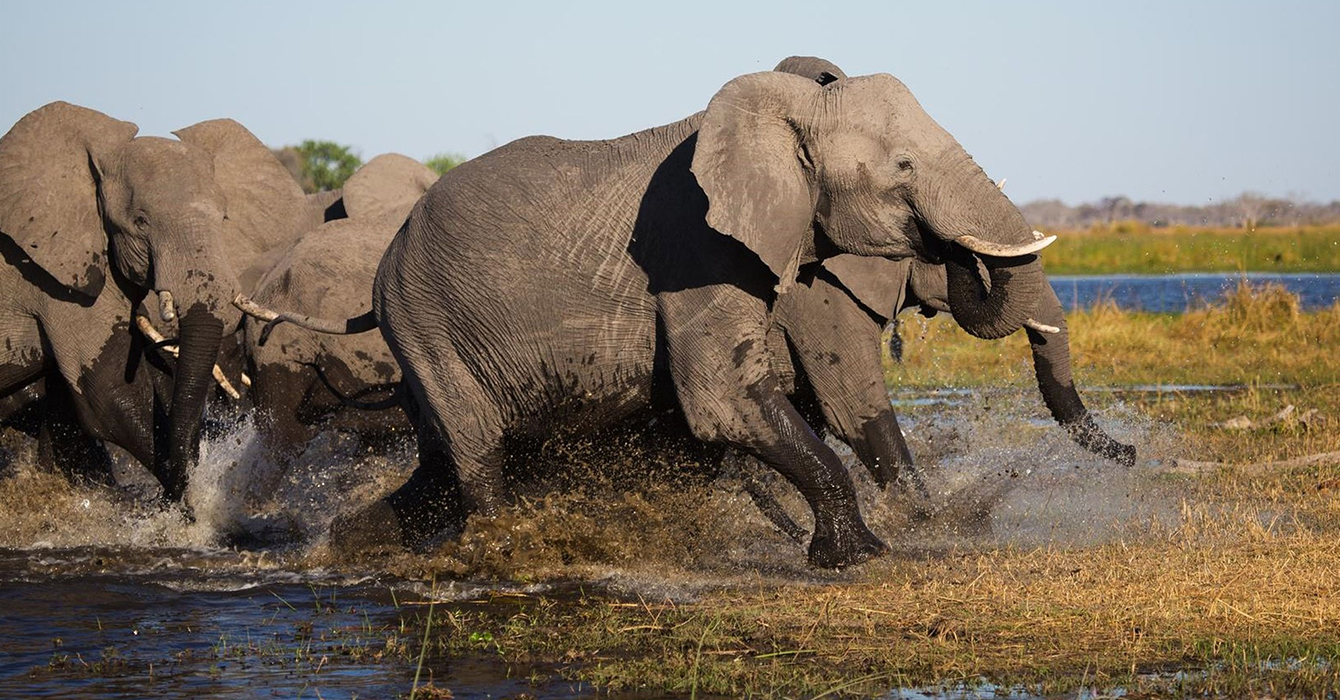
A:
(990, 297)
(200, 333)
(1051, 362)
(994, 277)
(200, 285)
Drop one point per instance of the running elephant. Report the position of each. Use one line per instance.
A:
(94, 220)
(555, 283)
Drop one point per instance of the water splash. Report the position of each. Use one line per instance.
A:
(616, 514)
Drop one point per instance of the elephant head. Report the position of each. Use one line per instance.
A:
(386, 187)
(86, 200)
(796, 170)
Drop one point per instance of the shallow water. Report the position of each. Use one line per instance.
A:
(103, 598)
(1177, 293)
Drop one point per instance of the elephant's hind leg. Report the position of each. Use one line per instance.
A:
(460, 460)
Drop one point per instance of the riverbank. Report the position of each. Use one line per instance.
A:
(1130, 248)
(1257, 334)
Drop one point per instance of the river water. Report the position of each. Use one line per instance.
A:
(1177, 293)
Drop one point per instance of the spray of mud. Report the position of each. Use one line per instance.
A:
(619, 514)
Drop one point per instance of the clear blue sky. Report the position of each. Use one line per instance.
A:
(1164, 101)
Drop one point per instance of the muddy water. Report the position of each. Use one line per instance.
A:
(101, 597)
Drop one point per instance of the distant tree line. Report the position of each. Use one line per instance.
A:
(1248, 210)
(325, 165)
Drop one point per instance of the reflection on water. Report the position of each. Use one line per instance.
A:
(101, 597)
(1177, 293)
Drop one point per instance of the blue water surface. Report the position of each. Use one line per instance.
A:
(1177, 293)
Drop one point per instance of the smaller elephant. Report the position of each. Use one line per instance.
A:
(302, 382)
(832, 324)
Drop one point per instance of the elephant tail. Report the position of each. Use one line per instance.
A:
(350, 326)
(396, 389)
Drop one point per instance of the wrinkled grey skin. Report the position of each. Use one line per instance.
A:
(328, 272)
(558, 284)
(94, 220)
(832, 321)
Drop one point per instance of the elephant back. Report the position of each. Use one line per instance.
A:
(387, 187)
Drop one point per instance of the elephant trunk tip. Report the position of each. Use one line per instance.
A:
(1086, 433)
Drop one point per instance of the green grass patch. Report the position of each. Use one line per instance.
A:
(1137, 249)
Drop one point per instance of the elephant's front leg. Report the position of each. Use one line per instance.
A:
(722, 373)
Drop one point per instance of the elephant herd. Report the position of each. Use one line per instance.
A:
(730, 266)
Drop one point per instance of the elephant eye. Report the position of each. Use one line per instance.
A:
(905, 164)
(141, 221)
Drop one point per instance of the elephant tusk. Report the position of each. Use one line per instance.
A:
(253, 309)
(1001, 250)
(166, 310)
(246, 381)
(147, 328)
(1040, 327)
(359, 324)
(226, 385)
(1001, 185)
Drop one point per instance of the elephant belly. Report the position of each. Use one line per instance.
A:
(544, 348)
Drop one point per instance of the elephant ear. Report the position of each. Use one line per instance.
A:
(49, 190)
(750, 163)
(879, 284)
(266, 206)
(387, 187)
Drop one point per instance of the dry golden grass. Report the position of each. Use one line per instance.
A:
(1227, 596)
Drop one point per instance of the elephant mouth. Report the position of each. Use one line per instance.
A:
(170, 346)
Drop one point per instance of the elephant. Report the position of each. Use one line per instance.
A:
(554, 284)
(832, 322)
(300, 380)
(95, 220)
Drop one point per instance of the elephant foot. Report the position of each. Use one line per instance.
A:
(375, 526)
(837, 545)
